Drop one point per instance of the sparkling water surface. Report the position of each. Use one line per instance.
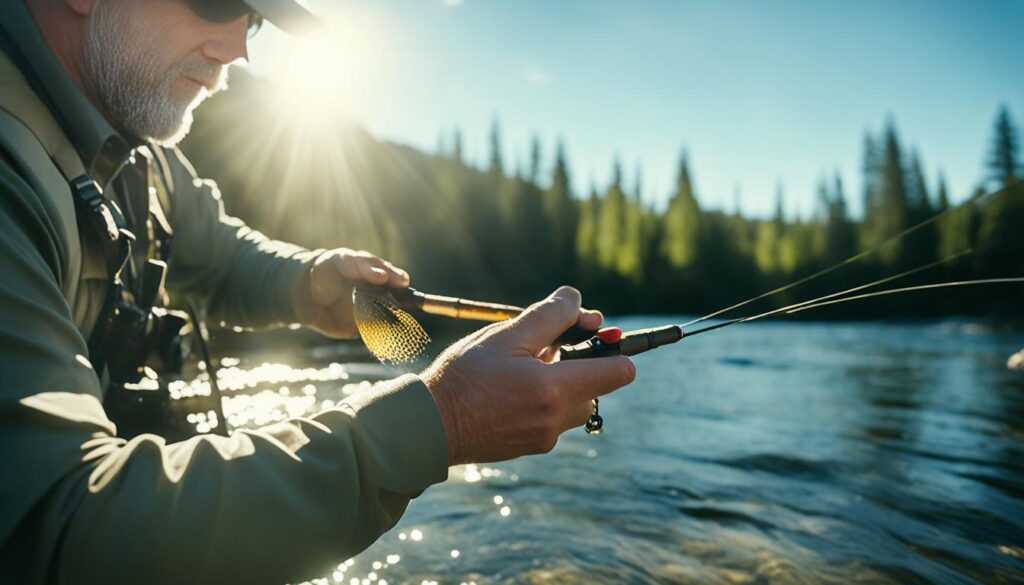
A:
(764, 453)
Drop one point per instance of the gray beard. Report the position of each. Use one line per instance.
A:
(124, 75)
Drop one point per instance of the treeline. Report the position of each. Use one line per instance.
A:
(511, 236)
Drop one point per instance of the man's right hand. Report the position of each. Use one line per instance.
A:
(501, 397)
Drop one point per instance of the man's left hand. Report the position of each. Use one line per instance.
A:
(323, 298)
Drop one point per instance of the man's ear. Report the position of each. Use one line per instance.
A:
(81, 7)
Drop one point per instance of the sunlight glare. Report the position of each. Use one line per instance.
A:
(324, 76)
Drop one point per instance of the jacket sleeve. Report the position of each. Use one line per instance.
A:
(243, 277)
(79, 505)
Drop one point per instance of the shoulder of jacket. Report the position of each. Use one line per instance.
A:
(31, 142)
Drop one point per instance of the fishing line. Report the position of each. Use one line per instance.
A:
(613, 341)
(891, 291)
(789, 308)
(973, 201)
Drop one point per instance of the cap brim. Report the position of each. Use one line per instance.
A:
(287, 15)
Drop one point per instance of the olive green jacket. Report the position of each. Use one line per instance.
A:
(80, 505)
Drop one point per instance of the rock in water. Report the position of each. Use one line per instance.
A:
(1016, 361)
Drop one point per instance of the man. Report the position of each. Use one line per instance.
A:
(93, 95)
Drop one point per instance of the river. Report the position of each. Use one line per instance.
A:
(775, 452)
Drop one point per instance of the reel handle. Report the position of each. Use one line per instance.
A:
(612, 341)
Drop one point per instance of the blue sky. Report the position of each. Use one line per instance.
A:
(757, 92)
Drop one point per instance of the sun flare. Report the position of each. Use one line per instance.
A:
(324, 76)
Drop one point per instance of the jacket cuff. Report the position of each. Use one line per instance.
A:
(400, 425)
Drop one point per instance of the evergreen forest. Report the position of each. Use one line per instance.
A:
(512, 235)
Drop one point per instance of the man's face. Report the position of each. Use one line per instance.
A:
(149, 64)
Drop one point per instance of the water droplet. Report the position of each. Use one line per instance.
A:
(498, 500)
(416, 535)
(392, 559)
(455, 553)
(505, 510)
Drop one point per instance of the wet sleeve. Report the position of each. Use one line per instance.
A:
(79, 505)
(243, 277)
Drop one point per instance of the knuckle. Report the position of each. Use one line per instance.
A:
(547, 441)
(547, 399)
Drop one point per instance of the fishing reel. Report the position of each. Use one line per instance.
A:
(612, 341)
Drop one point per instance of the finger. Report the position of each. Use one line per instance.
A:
(541, 323)
(371, 268)
(589, 378)
(590, 320)
(397, 277)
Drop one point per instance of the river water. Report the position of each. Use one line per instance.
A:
(764, 453)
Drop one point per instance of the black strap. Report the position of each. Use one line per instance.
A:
(101, 218)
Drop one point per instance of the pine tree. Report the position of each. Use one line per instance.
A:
(918, 199)
(954, 228)
(681, 222)
(890, 215)
(638, 183)
(611, 222)
(942, 198)
(1000, 233)
(457, 146)
(871, 169)
(496, 166)
(586, 237)
(785, 252)
(921, 246)
(840, 237)
(534, 171)
(1003, 164)
(631, 259)
(780, 206)
(562, 212)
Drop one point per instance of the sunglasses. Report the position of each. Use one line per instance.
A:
(221, 11)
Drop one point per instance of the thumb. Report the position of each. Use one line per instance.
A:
(542, 322)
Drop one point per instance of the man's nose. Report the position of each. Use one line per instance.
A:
(229, 42)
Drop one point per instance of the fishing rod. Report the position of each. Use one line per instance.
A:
(612, 341)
